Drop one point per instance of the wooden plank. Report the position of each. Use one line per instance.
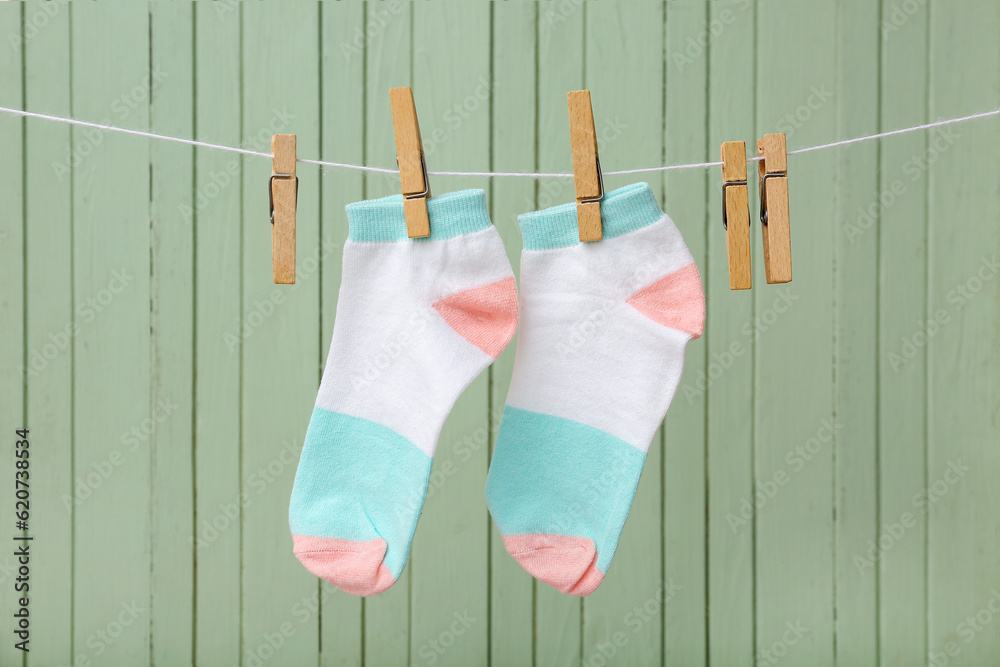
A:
(49, 263)
(172, 311)
(450, 549)
(628, 110)
(856, 351)
(685, 524)
(112, 351)
(900, 233)
(341, 638)
(513, 149)
(388, 64)
(794, 395)
(13, 358)
(963, 366)
(726, 378)
(280, 356)
(558, 617)
(215, 218)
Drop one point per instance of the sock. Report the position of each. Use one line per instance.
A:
(599, 357)
(417, 321)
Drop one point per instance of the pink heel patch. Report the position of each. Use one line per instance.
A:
(353, 567)
(567, 563)
(675, 300)
(485, 316)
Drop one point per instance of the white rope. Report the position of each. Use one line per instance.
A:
(491, 174)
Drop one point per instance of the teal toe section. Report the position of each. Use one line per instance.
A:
(557, 476)
(358, 480)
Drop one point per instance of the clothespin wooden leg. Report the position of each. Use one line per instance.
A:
(774, 225)
(283, 189)
(736, 213)
(412, 166)
(586, 165)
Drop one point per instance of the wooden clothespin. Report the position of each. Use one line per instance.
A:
(773, 173)
(586, 165)
(412, 166)
(736, 213)
(283, 192)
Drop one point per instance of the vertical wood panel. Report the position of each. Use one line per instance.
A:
(171, 311)
(49, 255)
(112, 381)
(558, 620)
(12, 306)
(730, 341)
(515, 48)
(280, 359)
(451, 76)
(215, 218)
(963, 561)
(855, 95)
(628, 108)
(388, 58)
(684, 474)
(794, 393)
(343, 140)
(901, 235)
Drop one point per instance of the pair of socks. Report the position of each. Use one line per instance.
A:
(599, 357)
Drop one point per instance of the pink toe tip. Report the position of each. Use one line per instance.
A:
(353, 567)
(567, 563)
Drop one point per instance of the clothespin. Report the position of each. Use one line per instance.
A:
(586, 165)
(282, 196)
(736, 213)
(773, 172)
(410, 159)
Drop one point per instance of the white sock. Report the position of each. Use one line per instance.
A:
(417, 321)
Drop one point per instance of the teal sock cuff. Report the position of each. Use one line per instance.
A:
(622, 211)
(451, 214)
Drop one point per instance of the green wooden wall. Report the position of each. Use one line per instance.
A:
(824, 490)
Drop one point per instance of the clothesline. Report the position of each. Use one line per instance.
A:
(490, 174)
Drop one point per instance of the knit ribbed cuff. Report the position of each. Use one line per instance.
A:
(623, 210)
(451, 214)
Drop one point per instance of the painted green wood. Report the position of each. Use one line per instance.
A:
(281, 355)
(192, 328)
(901, 234)
(794, 392)
(558, 618)
(388, 64)
(451, 74)
(171, 312)
(730, 343)
(49, 264)
(963, 429)
(215, 219)
(856, 313)
(12, 305)
(682, 615)
(342, 139)
(112, 383)
(515, 46)
(628, 107)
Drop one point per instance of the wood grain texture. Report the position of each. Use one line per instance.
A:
(728, 367)
(813, 419)
(284, 192)
(737, 216)
(215, 215)
(13, 336)
(171, 308)
(772, 172)
(586, 175)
